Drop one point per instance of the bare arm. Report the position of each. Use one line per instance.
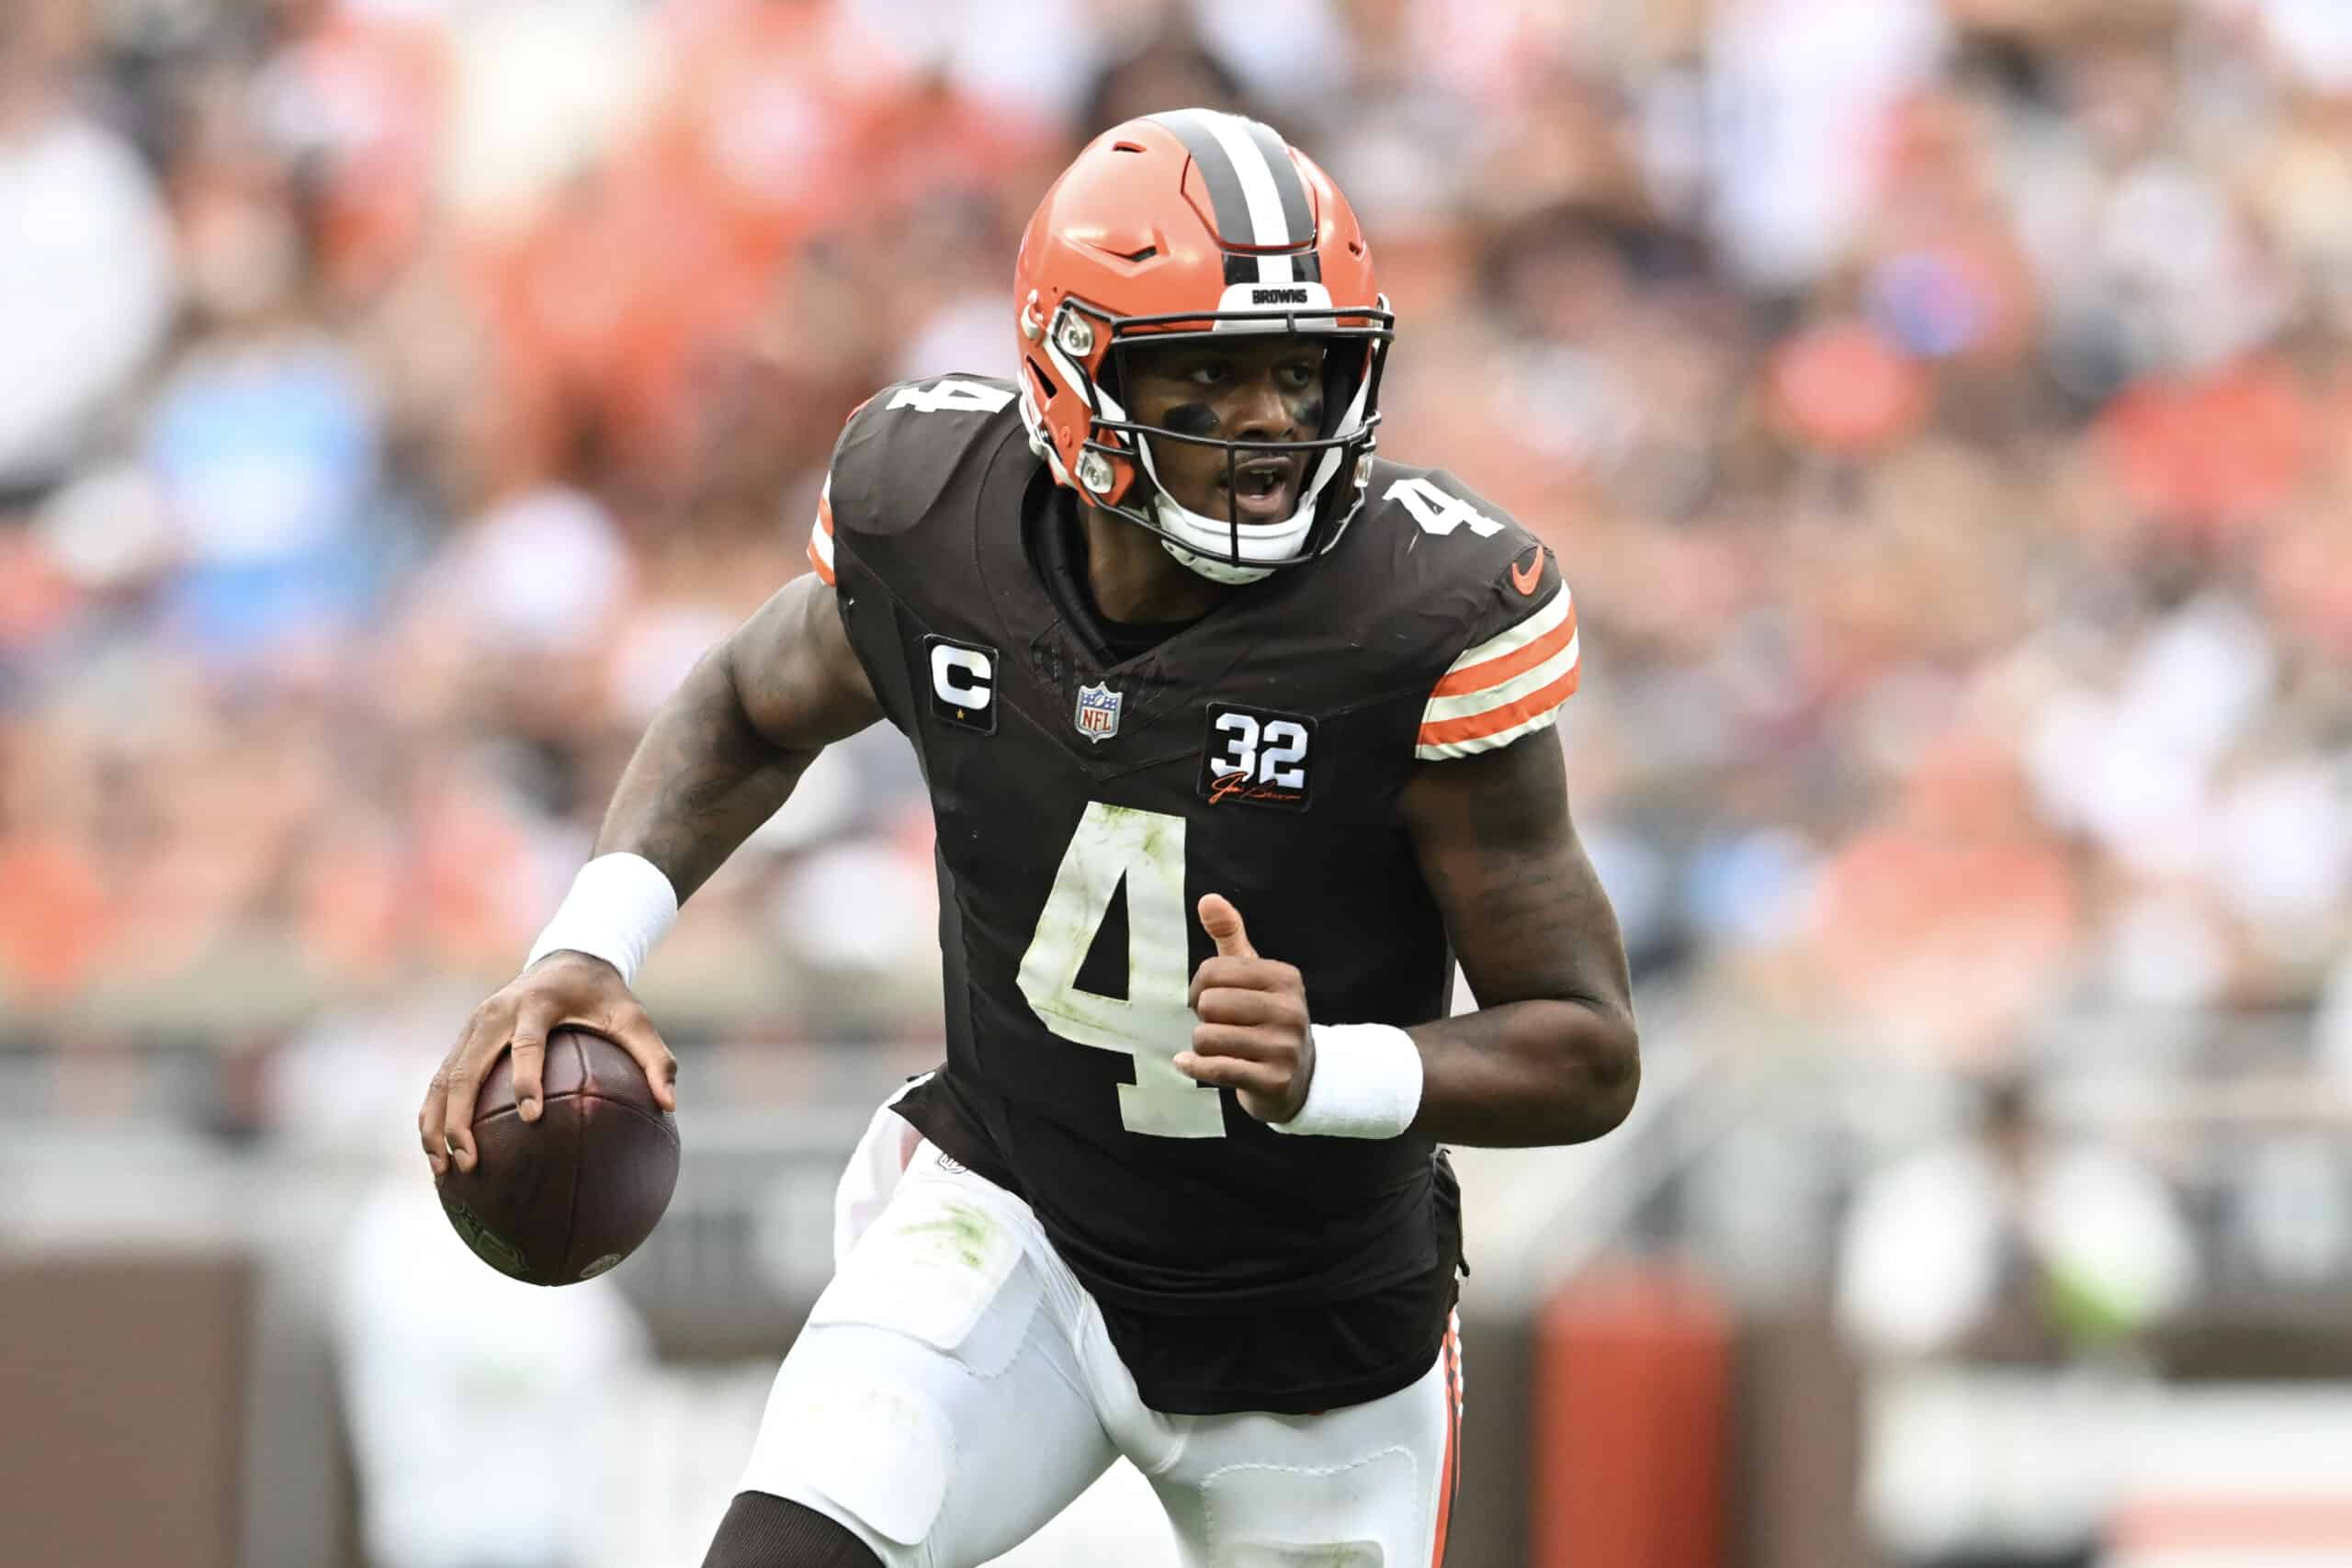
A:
(717, 760)
(725, 750)
(1552, 1055)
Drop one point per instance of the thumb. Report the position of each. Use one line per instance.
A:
(1223, 922)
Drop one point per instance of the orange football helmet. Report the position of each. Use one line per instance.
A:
(1196, 224)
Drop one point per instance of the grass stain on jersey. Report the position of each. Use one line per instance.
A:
(1155, 833)
(965, 1230)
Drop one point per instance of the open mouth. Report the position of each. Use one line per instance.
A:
(1265, 490)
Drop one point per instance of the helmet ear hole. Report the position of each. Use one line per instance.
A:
(1043, 382)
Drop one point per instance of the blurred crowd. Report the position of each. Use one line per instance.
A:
(1939, 406)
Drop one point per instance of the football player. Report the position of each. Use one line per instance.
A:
(1237, 736)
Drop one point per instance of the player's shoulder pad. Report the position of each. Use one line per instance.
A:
(901, 456)
(1446, 539)
(1503, 619)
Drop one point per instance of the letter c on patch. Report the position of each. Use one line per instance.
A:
(961, 675)
(963, 683)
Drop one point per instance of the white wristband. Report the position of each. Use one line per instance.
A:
(619, 905)
(1367, 1083)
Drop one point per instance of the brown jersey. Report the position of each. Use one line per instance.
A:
(1087, 792)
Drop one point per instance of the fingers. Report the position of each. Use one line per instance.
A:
(1227, 1004)
(1250, 1044)
(428, 1128)
(459, 1081)
(589, 996)
(530, 1047)
(1234, 1072)
(441, 1124)
(1223, 922)
(1252, 1036)
(633, 1029)
(1243, 974)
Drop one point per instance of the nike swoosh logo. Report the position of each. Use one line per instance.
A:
(1525, 580)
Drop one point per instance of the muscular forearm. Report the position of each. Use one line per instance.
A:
(1527, 1074)
(700, 781)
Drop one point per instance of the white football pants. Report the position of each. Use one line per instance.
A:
(955, 1388)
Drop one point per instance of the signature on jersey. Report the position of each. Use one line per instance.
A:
(1235, 785)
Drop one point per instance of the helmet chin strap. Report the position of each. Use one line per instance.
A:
(1278, 542)
(1215, 570)
(1189, 536)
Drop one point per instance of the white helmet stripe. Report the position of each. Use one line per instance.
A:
(1267, 225)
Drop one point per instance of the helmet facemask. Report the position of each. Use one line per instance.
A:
(1119, 473)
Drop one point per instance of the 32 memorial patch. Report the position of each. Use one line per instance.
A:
(1257, 757)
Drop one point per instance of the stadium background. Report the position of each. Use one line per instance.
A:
(1939, 407)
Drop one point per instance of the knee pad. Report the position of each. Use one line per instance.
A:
(879, 1456)
(761, 1531)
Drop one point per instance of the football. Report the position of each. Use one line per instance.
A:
(565, 1198)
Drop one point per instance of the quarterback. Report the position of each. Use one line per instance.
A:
(1237, 736)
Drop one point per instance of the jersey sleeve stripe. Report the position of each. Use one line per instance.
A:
(1555, 609)
(1497, 669)
(1495, 727)
(1487, 699)
(821, 537)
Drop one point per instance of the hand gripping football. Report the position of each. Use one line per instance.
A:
(563, 1198)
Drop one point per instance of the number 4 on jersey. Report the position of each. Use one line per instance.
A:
(1146, 848)
(952, 395)
(1439, 512)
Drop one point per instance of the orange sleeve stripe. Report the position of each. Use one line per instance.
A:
(1450, 1467)
(1471, 727)
(824, 572)
(1518, 661)
(825, 510)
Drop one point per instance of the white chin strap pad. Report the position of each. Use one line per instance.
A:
(1272, 543)
(1202, 543)
(1199, 541)
(1215, 570)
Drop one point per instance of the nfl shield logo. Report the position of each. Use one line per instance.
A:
(1098, 712)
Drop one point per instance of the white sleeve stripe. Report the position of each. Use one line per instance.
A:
(822, 543)
(1554, 611)
(1543, 720)
(1520, 685)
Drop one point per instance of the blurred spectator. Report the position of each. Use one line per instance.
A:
(1940, 408)
(2010, 1245)
(86, 269)
(486, 1416)
(265, 441)
(1936, 405)
(2008, 1248)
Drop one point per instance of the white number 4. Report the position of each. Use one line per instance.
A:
(952, 395)
(1146, 848)
(1434, 509)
